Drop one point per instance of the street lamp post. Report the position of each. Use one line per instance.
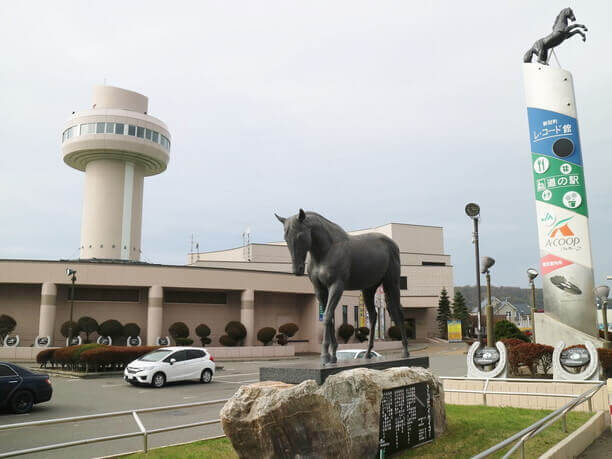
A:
(601, 293)
(472, 210)
(532, 274)
(72, 274)
(485, 265)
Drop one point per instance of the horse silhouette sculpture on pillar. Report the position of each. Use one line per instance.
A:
(561, 32)
(339, 262)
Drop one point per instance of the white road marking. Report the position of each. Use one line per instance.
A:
(239, 374)
(240, 382)
(113, 385)
(189, 396)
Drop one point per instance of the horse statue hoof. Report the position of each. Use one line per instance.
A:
(324, 359)
(405, 354)
(333, 359)
(368, 355)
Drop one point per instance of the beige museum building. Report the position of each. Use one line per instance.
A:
(117, 144)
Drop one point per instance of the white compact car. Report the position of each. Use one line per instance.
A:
(170, 364)
(353, 354)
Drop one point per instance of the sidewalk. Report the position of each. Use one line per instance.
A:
(602, 447)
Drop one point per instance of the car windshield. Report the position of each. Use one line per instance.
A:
(344, 355)
(155, 356)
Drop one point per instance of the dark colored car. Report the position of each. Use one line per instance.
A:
(20, 389)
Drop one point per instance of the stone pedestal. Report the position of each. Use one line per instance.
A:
(295, 374)
(339, 419)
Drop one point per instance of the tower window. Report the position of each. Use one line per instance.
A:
(140, 132)
(131, 130)
(99, 128)
(119, 128)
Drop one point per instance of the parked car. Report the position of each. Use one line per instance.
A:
(170, 364)
(352, 354)
(20, 389)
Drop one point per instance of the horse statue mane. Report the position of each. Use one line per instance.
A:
(561, 31)
(332, 227)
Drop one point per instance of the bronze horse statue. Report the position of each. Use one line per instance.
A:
(339, 262)
(561, 32)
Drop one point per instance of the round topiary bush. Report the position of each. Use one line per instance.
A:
(506, 329)
(112, 328)
(226, 340)
(183, 341)
(65, 329)
(237, 331)
(345, 331)
(266, 335)
(7, 325)
(88, 325)
(289, 329)
(362, 334)
(203, 332)
(131, 329)
(281, 339)
(178, 330)
(394, 333)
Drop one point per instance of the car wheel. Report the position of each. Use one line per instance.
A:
(22, 402)
(206, 376)
(158, 380)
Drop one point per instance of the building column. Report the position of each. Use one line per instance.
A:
(247, 315)
(155, 314)
(48, 298)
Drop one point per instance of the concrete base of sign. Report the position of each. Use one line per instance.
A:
(550, 331)
(590, 373)
(295, 374)
(338, 419)
(500, 370)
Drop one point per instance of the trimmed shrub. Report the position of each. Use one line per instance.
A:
(112, 328)
(112, 357)
(65, 329)
(506, 329)
(281, 339)
(183, 341)
(131, 329)
(88, 325)
(345, 331)
(7, 325)
(203, 332)
(236, 331)
(394, 333)
(531, 355)
(362, 334)
(44, 357)
(266, 335)
(605, 358)
(226, 340)
(288, 329)
(178, 330)
(511, 342)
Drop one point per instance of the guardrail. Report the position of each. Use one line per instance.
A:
(521, 437)
(142, 431)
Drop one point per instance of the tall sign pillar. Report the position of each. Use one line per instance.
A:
(561, 201)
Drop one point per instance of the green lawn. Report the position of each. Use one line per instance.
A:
(471, 429)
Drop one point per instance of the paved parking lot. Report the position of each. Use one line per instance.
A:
(77, 397)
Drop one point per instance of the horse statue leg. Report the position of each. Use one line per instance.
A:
(392, 295)
(368, 299)
(322, 294)
(334, 295)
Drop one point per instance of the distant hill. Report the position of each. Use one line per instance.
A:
(513, 294)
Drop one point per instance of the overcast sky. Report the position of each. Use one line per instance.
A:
(367, 112)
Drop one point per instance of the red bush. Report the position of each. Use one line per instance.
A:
(531, 355)
(115, 355)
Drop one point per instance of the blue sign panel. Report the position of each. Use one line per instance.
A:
(554, 134)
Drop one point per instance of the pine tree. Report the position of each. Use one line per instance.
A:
(460, 311)
(444, 313)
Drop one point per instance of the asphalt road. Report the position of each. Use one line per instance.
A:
(78, 397)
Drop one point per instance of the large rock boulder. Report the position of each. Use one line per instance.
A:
(336, 420)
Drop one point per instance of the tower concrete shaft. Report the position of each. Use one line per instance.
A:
(117, 144)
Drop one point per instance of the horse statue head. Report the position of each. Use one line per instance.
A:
(298, 238)
(566, 14)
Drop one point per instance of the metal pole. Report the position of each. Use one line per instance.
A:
(71, 309)
(489, 310)
(604, 317)
(477, 253)
(533, 307)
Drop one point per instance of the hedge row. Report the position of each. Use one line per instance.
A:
(87, 357)
(538, 358)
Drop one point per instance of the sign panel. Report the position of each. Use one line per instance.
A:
(11, 341)
(455, 334)
(406, 418)
(561, 201)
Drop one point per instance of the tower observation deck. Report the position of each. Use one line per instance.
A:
(117, 144)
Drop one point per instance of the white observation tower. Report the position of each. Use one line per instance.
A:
(117, 144)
